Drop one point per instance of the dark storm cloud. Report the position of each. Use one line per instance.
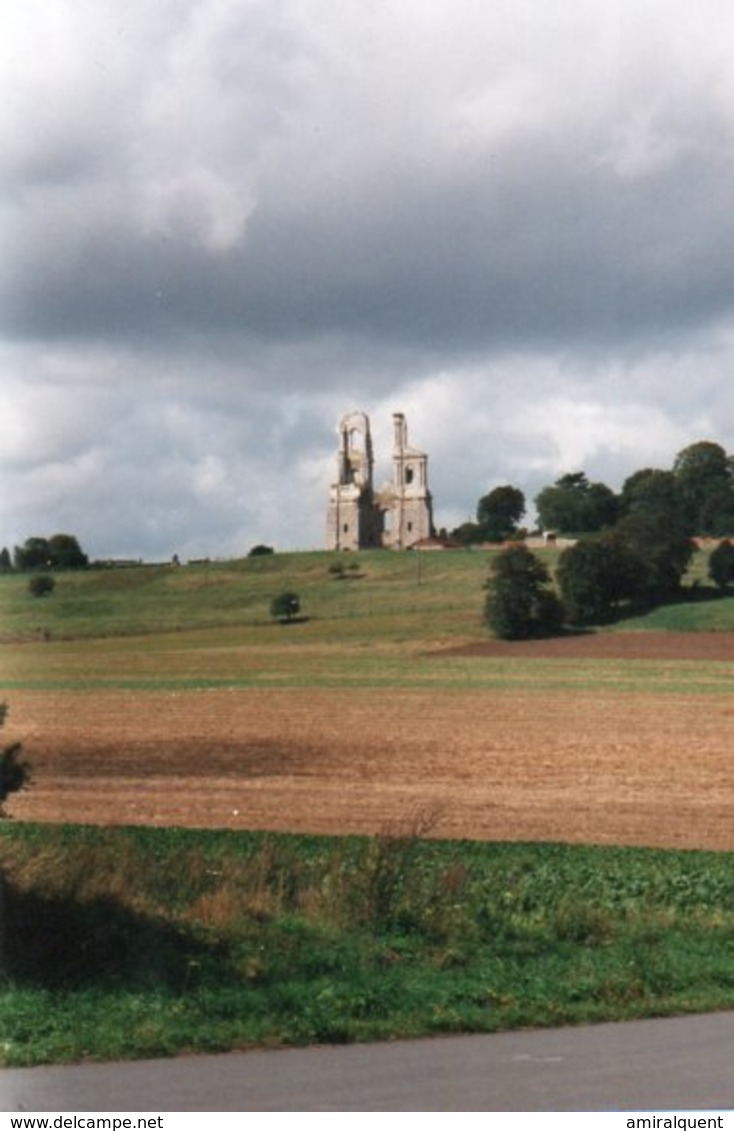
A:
(224, 224)
(593, 219)
(534, 247)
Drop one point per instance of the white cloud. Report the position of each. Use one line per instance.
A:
(576, 433)
(211, 477)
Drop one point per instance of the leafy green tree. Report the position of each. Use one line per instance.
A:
(573, 505)
(499, 512)
(650, 490)
(702, 462)
(721, 565)
(663, 542)
(15, 774)
(699, 490)
(467, 534)
(285, 606)
(66, 553)
(35, 553)
(705, 476)
(62, 551)
(716, 516)
(597, 576)
(6, 562)
(520, 602)
(260, 550)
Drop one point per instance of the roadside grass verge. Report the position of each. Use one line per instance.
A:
(133, 942)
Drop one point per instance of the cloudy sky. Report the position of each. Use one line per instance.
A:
(225, 223)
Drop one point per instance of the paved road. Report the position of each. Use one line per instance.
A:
(681, 1063)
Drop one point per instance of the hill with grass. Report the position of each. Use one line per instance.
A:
(376, 594)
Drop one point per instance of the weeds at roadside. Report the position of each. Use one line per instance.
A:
(131, 942)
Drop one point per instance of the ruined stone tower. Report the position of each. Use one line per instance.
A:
(400, 514)
(352, 521)
(406, 503)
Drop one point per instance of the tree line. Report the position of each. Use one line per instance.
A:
(632, 549)
(60, 551)
(699, 489)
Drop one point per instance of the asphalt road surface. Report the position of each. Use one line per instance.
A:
(680, 1063)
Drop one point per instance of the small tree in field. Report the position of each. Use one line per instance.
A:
(285, 606)
(41, 585)
(520, 602)
(14, 773)
(721, 565)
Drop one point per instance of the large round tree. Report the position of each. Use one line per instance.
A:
(499, 513)
(705, 477)
(573, 505)
(520, 601)
(597, 577)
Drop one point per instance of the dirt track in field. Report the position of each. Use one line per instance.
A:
(593, 766)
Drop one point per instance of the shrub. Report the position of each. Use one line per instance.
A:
(259, 550)
(41, 585)
(14, 773)
(285, 606)
(721, 565)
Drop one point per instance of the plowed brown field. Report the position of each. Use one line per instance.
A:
(595, 766)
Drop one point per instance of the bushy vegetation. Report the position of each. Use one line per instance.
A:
(638, 563)
(15, 773)
(275, 939)
(498, 517)
(697, 493)
(60, 551)
(598, 578)
(285, 606)
(635, 549)
(41, 585)
(573, 504)
(721, 565)
(520, 602)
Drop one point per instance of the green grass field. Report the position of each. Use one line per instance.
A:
(416, 596)
(405, 591)
(161, 627)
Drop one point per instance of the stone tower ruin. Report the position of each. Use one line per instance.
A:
(397, 516)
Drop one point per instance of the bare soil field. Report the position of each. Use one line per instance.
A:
(596, 766)
(611, 646)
